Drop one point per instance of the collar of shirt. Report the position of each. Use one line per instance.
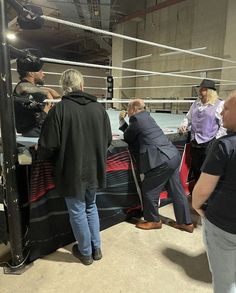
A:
(199, 103)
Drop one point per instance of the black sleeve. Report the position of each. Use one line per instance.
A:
(124, 126)
(50, 137)
(216, 159)
(108, 129)
(132, 130)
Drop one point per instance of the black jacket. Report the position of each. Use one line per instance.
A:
(147, 142)
(76, 135)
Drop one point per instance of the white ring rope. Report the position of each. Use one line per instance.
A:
(100, 31)
(165, 86)
(59, 86)
(143, 75)
(146, 101)
(58, 73)
(178, 72)
(74, 63)
(136, 88)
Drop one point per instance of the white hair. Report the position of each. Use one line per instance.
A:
(71, 80)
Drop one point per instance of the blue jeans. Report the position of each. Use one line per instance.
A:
(85, 221)
(221, 252)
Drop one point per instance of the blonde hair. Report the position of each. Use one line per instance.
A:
(71, 80)
(137, 105)
(212, 96)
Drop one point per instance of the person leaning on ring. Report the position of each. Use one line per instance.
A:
(158, 159)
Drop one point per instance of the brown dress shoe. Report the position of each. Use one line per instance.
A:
(183, 227)
(149, 225)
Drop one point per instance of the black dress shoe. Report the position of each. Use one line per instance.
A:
(85, 259)
(97, 254)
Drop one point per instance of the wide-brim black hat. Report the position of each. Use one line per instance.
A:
(208, 84)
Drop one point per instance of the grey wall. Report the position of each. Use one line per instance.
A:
(189, 24)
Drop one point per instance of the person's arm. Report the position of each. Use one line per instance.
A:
(29, 88)
(202, 191)
(221, 131)
(52, 92)
(212, 169)
(132, 130)
(186, 121)
(122, 122)
(123, 125)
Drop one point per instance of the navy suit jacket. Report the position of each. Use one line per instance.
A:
(147, 142)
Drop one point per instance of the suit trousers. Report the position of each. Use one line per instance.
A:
(165, 176)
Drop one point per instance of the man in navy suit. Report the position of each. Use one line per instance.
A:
(158, 159)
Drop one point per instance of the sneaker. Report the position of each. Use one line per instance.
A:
(85, 259)
(97, 254)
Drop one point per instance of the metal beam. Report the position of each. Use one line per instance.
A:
(9, 147)
(85, 11)
(105, 8)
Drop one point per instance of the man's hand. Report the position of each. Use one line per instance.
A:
(183, 129)
(122, 115)
(47, 107)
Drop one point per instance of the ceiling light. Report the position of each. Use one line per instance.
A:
(11, 36)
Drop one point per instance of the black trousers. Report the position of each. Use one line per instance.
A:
(165, 176)
(198, 155)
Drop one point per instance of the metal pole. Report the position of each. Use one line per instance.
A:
(9, 146)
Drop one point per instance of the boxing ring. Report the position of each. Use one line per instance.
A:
(45, 219)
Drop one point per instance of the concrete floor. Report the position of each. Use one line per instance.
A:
(135, 261)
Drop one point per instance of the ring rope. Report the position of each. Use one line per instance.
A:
(100, 31)
(74, 63)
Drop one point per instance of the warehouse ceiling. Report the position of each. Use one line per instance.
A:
(64, 42)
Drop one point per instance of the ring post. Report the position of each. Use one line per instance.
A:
(9, 150)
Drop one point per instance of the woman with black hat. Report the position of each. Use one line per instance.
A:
(205, 122)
